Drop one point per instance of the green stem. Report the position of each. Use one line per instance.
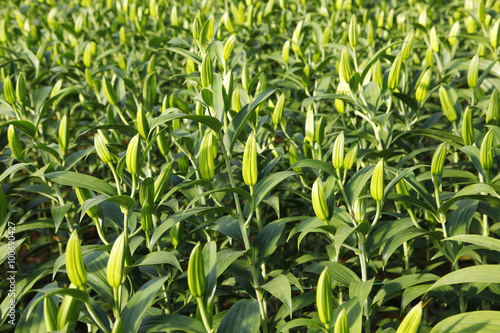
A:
(203, 313)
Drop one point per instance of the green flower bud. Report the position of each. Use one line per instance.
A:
(377, 183)
(15, 144)
(345, 67)
(77, 273)
(245, 77)
(434, 40)
(468, 127)
(377, 75)
(353, 31)
(83, 195)
(63, 134)
(163, 143)
(8, 91)
(174, 19)
(326, 36)
(319, 201)
(149, 92)
(249, 167)
(21, 89)
(296, 37)
(176, 233)
(446, 105)
(473, 72)
(196, 272)
(285, 52)
(228, 47)
(428, 57)
(206, 71)
(324, 298)
(423, 85)
(341, 324)
(310, 126)
(437, 164)
(142, 123)
(87, 55)
(206, 158)
(151, 68)
(278, 109)
(486, 154)
(235, 100)
(115, 272)
(359, 209)
(121, 62)
(161, 182)
(228, 23)
(4, 36)
(293, 157)
(183, 164)
(339, 106)
(406, 49)
(454, 32)
(69, 311)
(394, 73)
(492, 111)
(146, 217)
(102, 150)
(338, 152)
(470, 25)
(412, 320)
(350, 157)
(110, 93)
(480, 11)
(133, 159)
(269, 8)
(494, 33)
(50, 314)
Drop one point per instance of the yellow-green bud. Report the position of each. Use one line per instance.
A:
(162, 181)
(151, 66)
(87, 55)
(454, 32)
(285, 52)
(249, 167)
(492, 111)
(296, 37)
(319, 133)
(142, 123)
(423, 85)
(309, 126)
(470, 25)
(116, 262)
(293, 157)
(319, 201)
(133, 158)
(324, 298)
(69, 310)
(406, 49)
(473, 72)
(149, 92)
(196, 272)
(437, 164)
(494, 33)
(50, 314)
(228, 47)
(377, 75)
(345, 67)
(235, 100)
(4, 36)
(338, 152)
(75, 267)
(486, 154)
(206, 158)
(228, 23)
(206, 71)
(446, 105)
(428, 57)
(21, 89)
(412, 320)
(377, 182)
(245, 77)
(176, 233)
(83, 195)
(14, 143)
(480, 11)
(353, 31)
(394, 73)
(350, 157)
(468, 127)
(359, 208)
(102, 150)
(342, 324)
(163, 143)
(434, 40)
(340, 106)
(326, 35)
(8, 91)
(278, 109)
(121, 62)
(174, 17)
(110, 93)
(63, 134)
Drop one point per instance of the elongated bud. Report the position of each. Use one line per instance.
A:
(319, 201)
(162, 181)
(310, 126)
(63, 134)
(116, 262)
(196, 272)
(324, 298)
(486, 154)
(249, 167)
(121, 62)
(296, 37)
(377, 183)
(149, 92)
(228, 47)
(454, 32)
(77, 273)
(494, 33)
(21, 89)
(133, 158)
(437, 164)
(50, 314)
(350, 157)
(473, 72)
(206, 158)
(406, 49)
(338, 152)
(4, 36)
(110, 93)
(394, 73)
(434, 40)
(206, 71)
(492, 111)
(423, 85)
(101, 149)
(412, 320)
(345, 66)
(446, 105)
(163, 143)
(69, 310)
(142, 123)
(342, 323)
(84, 194)
(8, 91)
(480, 11)
(353, 31)
(278, 109)
(293, 157)
(285, 52)
(359, 208)
(176, 233)
(15, 144)
(468, 128)
(245, 77)
(377, 75)
(151, 66)
(174, 19)
(87, 55)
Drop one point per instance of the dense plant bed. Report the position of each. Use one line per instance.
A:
(249, 166)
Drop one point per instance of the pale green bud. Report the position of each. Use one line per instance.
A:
(8, 91)
(21, 92)
(486, 154)
(83, 195)
(494, 33)
(249, 167)
(149, 92)
(394, 73)
(470, 25)
(480, 11)
(350, 157)
(228, 47)
(437, 164)
(434, 40)
(161, 182)
(142, 123)
(492, 111)
(324, 298)
(63, 134)
(102, 150)
(338, 152)
(110, 93)
(353, 31)
(309, 130)
(133, 155)
(278, 109)
(196, 272)
(377, 75)
(319, 201)
(473, 72)
(293, 157)
(245, 77)
(377, 182)
(412, 320)
(87, 55)
(407, 45)
(75, 268)
(206, 157)
(14, 143)
(423, 85)
(115, 272)
(345, 67)
(468, 127)
(285, 52)
(454, 32)
(446, 105)
(342, 323)
(206, 71)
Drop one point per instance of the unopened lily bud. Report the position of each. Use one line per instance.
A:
(206, 158)
(75, 268)
(161, 182)
(480, 11)
(345, 67)
(63, 134)
(319, 201)
(121, 62)
(261, 85)
(494, 34)
(446, 104)
(350, 157)
(339, 105)
(319, 133)
(174, 19)
(176, 233)
(473, 72)
(437, 164)
(8, 91)
(278, 109)
(359, 209)
(468, 127)
(250, 167)
(407, 45)
(394, 73)
(377, 75)
(353, 31)
(326, 36)
(69, 310)
(102, 150)
(151, 67)
(492, 111)
(142, 123)
(434, 40)
(228, 47)
(324, 298)
(423, 85)
(454, 32)
(296, 37)
(338, 152)
(4, 36)
(428, 57)
(285, 52)
(196, 272)
(470, 25)
(149, 92)
(110, 93)
(133, 158)
(486, 154)
(83, 195)
(206, 71)
(50, 314)
(87, 55)
(342, 323)
(14, 143)
(21, 92)
(245, 77)
(377, 182)
(293, 157)
(115, 272)
(309, 126)
(412, 320)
